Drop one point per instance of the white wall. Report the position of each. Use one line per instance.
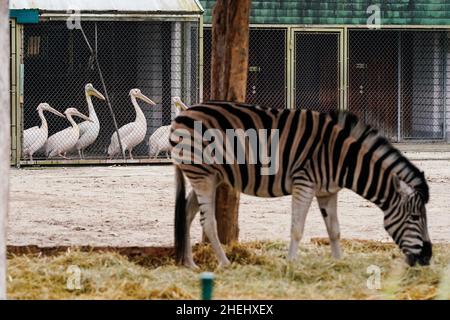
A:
(176, 49)
(427, 85)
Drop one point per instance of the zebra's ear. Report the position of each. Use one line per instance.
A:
(401, 186)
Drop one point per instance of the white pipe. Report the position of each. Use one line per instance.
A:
(4, 139)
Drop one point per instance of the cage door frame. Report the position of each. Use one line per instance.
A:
(341, 60)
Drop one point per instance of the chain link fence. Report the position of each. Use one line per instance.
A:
(396, 79)
(161, 59)
(397, 82)
(316, 70)
(267, 72)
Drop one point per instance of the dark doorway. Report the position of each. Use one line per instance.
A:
(317, 71)
(373, 81)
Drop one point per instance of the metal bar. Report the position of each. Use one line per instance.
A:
(345, 41)
(166, 81)
(183, 64)
(341, 59)
(48, 16)
(200, 60)
(399, 85)
(19, 95)
(339, 26)
(13, 88)
(290, 69)
(444, 71)
(93, 162)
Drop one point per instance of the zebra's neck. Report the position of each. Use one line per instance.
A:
(368, 163)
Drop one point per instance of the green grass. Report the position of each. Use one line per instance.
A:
(259, 271)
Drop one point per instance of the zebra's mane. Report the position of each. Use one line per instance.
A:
(361, 131)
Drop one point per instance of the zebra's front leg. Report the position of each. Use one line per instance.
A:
(192, 208)
(328, 208)
(301, 201)
(206, 197)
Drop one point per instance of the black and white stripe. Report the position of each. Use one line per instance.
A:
(318, 155)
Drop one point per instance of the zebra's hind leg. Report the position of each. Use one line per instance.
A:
(192, 208)
(301, 201)
(205, 189)
(328, 208)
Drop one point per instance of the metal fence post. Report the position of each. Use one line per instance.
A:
(399, 88)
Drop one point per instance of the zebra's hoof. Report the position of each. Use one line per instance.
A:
(224, 264)
(191, 265)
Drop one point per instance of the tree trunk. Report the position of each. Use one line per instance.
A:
(5, 150)
(229, 65)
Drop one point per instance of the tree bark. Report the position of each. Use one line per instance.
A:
(5, 150)
(229, 65)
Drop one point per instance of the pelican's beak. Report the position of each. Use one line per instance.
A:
(82, 116)
(146, 99)
(180, 106)
(55, 112)
(97, 94)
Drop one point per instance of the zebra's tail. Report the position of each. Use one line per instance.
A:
(180, 215)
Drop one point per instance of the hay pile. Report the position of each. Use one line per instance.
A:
(259, 271)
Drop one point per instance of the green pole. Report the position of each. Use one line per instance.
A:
(207, 283)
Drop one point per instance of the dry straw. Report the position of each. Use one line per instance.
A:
(259, 271)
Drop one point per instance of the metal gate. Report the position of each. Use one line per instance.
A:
(267, 67)
(392, 79)
(317, 70)
(397, 82)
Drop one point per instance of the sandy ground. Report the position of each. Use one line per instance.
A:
(133, 206)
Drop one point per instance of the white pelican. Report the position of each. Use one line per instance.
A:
(159, 140)
(34, 138)
(179, 104)
(132, 133)
(65, 140)
(89, 129)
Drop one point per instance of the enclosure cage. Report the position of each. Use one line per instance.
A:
(398, 81)
(395, 80)
(157, 54)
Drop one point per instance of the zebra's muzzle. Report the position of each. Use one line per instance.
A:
(423, 258)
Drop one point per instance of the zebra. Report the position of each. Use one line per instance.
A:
(319, 154)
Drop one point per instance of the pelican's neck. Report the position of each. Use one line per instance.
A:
(44, 124)
(92, 114)
(72, 122)
(177, 111)
(139, 114)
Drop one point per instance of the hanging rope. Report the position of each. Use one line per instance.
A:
(94, 59)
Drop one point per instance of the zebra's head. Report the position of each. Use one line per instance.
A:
(406, 221)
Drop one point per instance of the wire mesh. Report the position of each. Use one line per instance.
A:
(160, 59)
(397, 82)
(267, 67)
(317, 71)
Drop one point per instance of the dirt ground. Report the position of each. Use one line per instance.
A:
(133, 206)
